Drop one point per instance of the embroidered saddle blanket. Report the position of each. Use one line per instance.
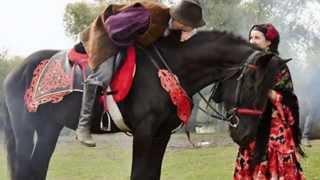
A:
(66, 72)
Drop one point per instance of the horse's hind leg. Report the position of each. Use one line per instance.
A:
(47, 137)
(11, 149)
(9, 139)
(147, 157)
(24, 134)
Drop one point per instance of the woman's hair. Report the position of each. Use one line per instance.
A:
(270, 33)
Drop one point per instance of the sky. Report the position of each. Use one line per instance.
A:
(31, 25)
(28, 26)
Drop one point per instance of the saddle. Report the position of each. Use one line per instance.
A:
(66, 72)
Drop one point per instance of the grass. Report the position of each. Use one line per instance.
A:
(111, 160)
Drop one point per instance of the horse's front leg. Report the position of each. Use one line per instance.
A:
(148, 151)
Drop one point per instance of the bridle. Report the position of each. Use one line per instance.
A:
(232, 115)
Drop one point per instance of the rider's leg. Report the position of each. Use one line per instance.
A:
(95, 82)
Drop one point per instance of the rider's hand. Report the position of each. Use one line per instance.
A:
(186, 35)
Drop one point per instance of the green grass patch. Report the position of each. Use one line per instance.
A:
(111, 161)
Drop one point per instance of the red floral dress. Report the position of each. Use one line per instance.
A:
(281, 157)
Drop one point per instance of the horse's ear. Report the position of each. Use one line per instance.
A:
(285, 61)
(264, 59)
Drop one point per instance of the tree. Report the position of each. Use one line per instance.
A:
(78, 16)
(233, 15)
(6, 65)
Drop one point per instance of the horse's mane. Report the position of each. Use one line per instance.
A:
(214, 35)
(209, 36)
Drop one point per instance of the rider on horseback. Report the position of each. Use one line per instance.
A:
(120, 26)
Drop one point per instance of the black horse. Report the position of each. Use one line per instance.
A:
(206, 58)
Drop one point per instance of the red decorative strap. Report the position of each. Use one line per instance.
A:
(249, 112)
(178, 95)
(252, 66)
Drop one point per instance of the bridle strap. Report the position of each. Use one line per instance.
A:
(164, 62)
(249, 61)
(217, 114)
(248, 112)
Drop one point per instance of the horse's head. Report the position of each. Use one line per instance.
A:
(215, 56)
(244, 95)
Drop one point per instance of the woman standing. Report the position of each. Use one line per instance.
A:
(274, 152)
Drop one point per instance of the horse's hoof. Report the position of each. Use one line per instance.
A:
(306, 142)
(88, 142)
(91, 144)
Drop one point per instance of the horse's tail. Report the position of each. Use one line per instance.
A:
(9, 136)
